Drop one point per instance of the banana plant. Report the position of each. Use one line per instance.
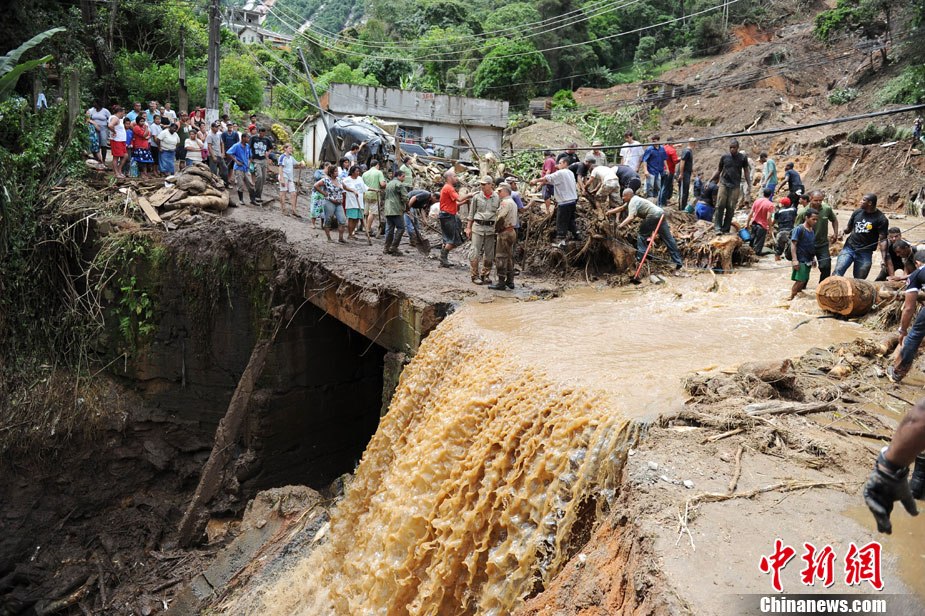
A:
(11, 68)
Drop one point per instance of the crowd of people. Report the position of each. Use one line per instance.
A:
(159, 142)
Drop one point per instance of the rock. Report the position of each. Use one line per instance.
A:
(667, 479)
(653, 465)
(688, 484)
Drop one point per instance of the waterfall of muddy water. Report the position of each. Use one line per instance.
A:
(508, 427)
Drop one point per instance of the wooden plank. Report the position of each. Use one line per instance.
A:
(779, 407)
(149, 211)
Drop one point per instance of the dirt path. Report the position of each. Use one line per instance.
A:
(415, 273)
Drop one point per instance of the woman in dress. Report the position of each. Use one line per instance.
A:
(333, 203)
(141, 152)
(315, 210)
(355, 187)
(117, 130)
(99, 116)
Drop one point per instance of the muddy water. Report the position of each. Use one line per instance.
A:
(637, 344)
(509, 419)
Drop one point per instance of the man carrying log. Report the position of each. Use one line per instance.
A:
(867, 230)
(826, 215)
(803, 249)
(653, 218)
(910, 339)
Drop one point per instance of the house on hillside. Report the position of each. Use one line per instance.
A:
(255, 34)
(453, 124)
(247, 23)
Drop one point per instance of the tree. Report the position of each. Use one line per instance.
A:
(342, 73)
(510, 16)
(11, 68)
(496, 73)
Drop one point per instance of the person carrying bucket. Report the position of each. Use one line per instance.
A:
(654, 222)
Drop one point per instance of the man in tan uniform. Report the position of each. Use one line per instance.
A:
(506, 237)
(483, 212)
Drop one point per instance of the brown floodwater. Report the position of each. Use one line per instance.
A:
(508, 431)
(637, 344)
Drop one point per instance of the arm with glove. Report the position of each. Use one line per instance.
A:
(889, 481)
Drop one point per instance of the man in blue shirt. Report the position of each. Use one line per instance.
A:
(803, 249)
(654, 158)
(240, 153)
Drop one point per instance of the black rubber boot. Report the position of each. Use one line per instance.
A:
(393, 249)
(510, 281)
(445, 258)
(917, 480)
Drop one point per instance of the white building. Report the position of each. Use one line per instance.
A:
(451, 123)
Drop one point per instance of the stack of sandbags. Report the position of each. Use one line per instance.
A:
(195, 186)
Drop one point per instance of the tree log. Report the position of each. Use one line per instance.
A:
(778, 407)
(848, 297)
(194, 520)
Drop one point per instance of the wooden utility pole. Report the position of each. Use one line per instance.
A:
(183, 102)
(215, 24)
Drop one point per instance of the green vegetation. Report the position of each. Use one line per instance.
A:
(875, 133)
(11, 68)
(906, 88)
(840, 96)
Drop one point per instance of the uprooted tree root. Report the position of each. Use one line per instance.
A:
(607, 251)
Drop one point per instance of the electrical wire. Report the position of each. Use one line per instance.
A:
(582, 14)
(325, 45)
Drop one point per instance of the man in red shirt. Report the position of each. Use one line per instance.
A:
(450, 226)
(671, 162)
(759, 220)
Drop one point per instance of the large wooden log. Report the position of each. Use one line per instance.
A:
(848, 297)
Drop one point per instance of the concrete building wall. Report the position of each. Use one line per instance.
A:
(392, 103)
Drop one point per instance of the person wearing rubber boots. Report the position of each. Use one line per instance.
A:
(506, 236)
(483, 213)
(396, 196)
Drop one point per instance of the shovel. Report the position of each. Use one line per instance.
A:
(423, 245)
(635, 278)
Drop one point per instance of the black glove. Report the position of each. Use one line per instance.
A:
(886, 485)
(917, 481)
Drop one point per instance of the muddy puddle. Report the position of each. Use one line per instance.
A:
(637, 344)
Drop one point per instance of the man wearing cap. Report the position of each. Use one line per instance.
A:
(506, 236)
(261, 145)
(785, 217)
(685, 172)
(483, 213)
(396, 196)
(598, 153)
(216, 147)
(651, 214)
(450, 226)
(565, 189)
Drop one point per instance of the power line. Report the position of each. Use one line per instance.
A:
(586, 13)
(758, 133)
(422, 59)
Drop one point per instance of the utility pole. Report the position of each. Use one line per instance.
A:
(324, 114)
(215, 24)
(183, 102)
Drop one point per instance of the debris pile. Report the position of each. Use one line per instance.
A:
(195, 186)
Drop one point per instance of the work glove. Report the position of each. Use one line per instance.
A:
(886, 485)
(917, 482)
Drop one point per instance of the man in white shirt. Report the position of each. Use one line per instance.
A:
(169, 113)
(605, 183)
(565, 190)
(631, 152)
